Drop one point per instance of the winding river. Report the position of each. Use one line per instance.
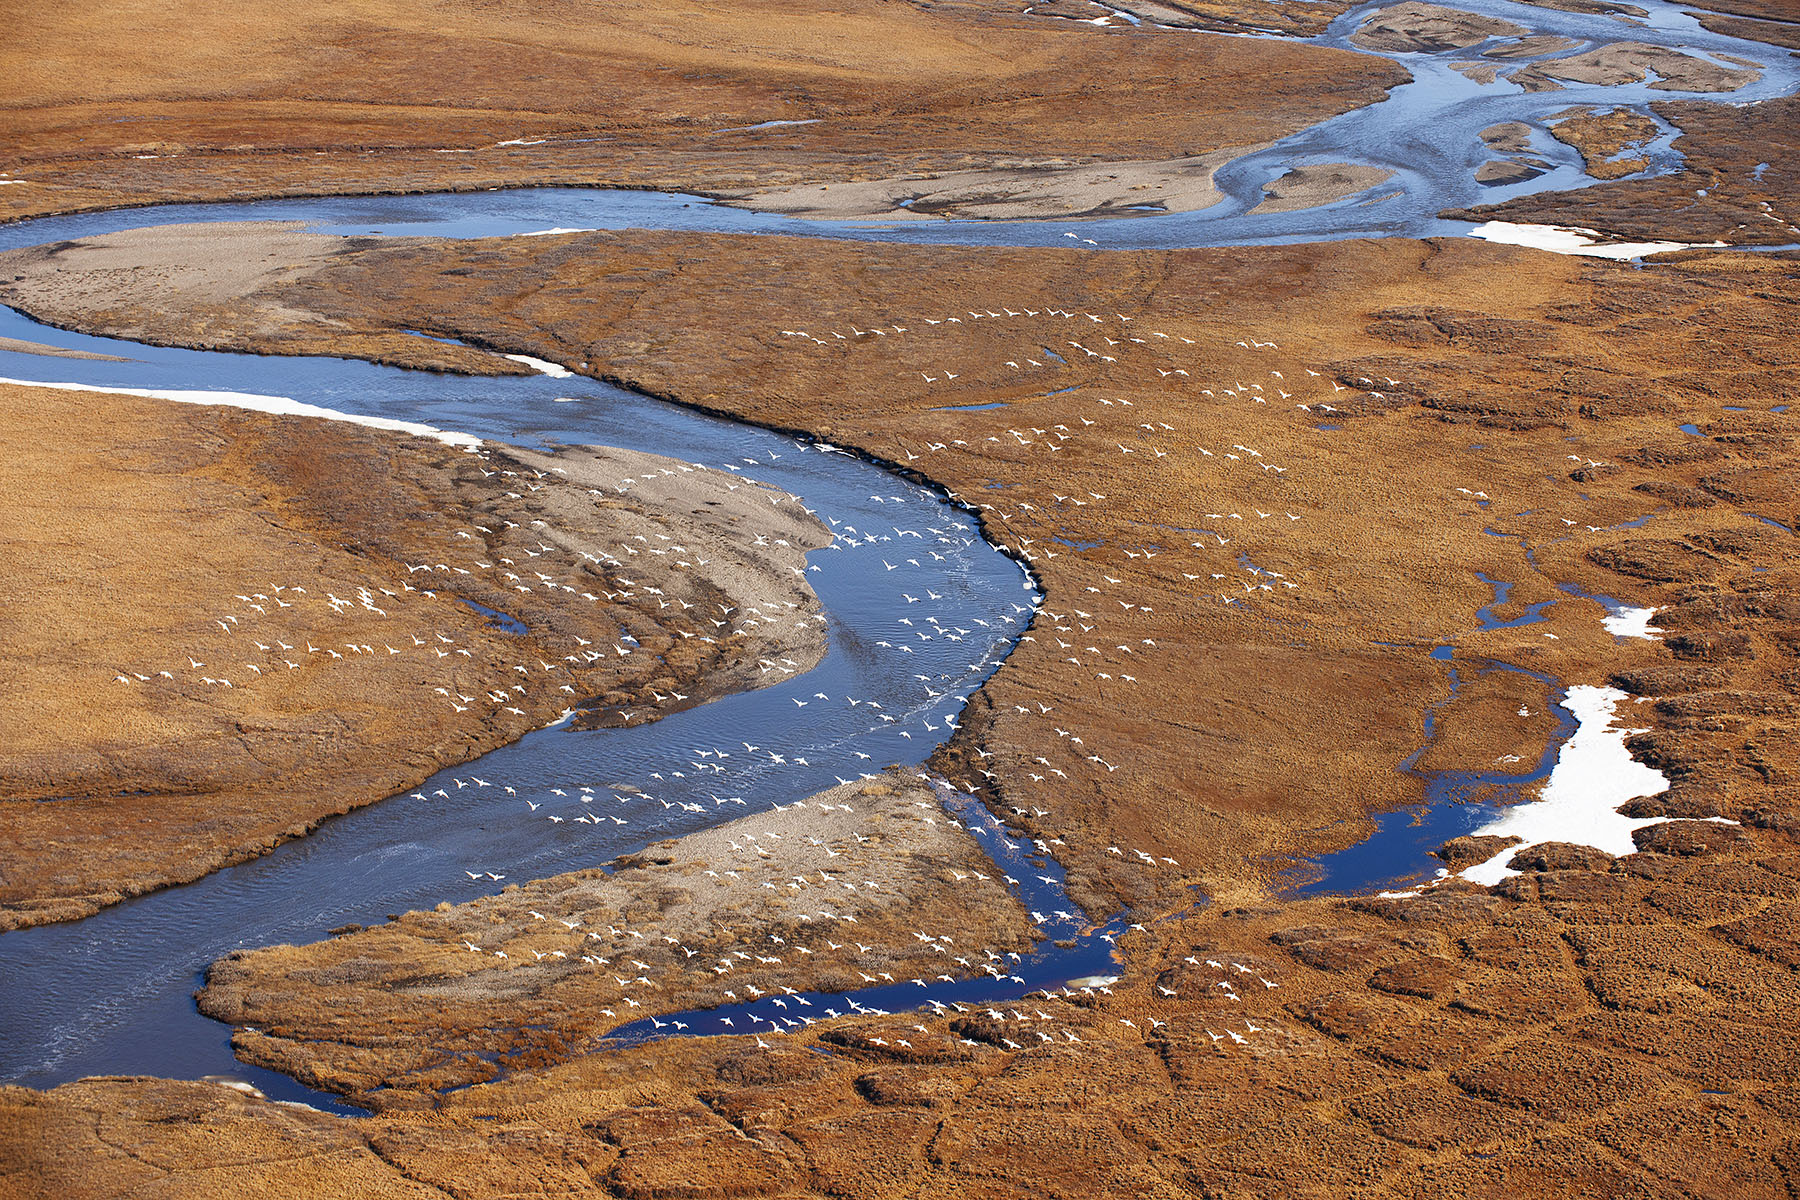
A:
(113, 993)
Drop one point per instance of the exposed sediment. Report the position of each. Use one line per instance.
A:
(1404, 371)
(1009, 192)
(742, 98)
(1416, 28)
(176, 284)
(1224, 16)
(1313, 184)
(243, 623)
(867, 882)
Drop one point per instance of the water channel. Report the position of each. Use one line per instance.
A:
(113, 993)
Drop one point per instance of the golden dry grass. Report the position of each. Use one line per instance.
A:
(186, 694)
(131, 101)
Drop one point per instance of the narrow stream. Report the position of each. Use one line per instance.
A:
(1426, 131)
(112, 993)
(1456, 802)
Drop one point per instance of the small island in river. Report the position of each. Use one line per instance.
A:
(1170, 599)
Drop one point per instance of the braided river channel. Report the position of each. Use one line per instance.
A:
(113, 993)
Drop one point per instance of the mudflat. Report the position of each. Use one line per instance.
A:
(722, 98)
(1426, 28)
(21, 346)
(1319, 183)
(1605, 140)
(1025, 191)
(1466, 1037)
(1248, 688)
(221, 631)
(1323, 532)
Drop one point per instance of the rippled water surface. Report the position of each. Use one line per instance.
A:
(112, 993)
(1425, 131)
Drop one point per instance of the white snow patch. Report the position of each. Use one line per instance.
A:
(550, 232)
(236, 1085)
(1593, 776)
(1630, 622)
(1570, 239)
(553, 370)
(278, 405)
(768, 125)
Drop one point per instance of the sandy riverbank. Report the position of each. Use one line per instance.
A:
(20, 346)
(1227, 16)
(1607, 138)
(1313, 184)
(1736, 185)
(1634, 62)
(867, 881)
(1415, 28)
(1484, 1043)
(735, 97)
(1369, 423)
(1028, 191)
(231, 639)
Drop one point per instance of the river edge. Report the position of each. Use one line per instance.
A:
(1314, 949)
(1308, 1016)
(144, 665)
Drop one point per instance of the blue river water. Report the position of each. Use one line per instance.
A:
(1456, 802)
(113, 993)
(1426, 131)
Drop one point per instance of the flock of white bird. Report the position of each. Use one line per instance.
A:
(253, 648)
(633, 964)
(549, 567)
(1116, 421)
(1107, 629)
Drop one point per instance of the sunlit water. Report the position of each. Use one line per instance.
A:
(1426, 131)
(113, 993)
